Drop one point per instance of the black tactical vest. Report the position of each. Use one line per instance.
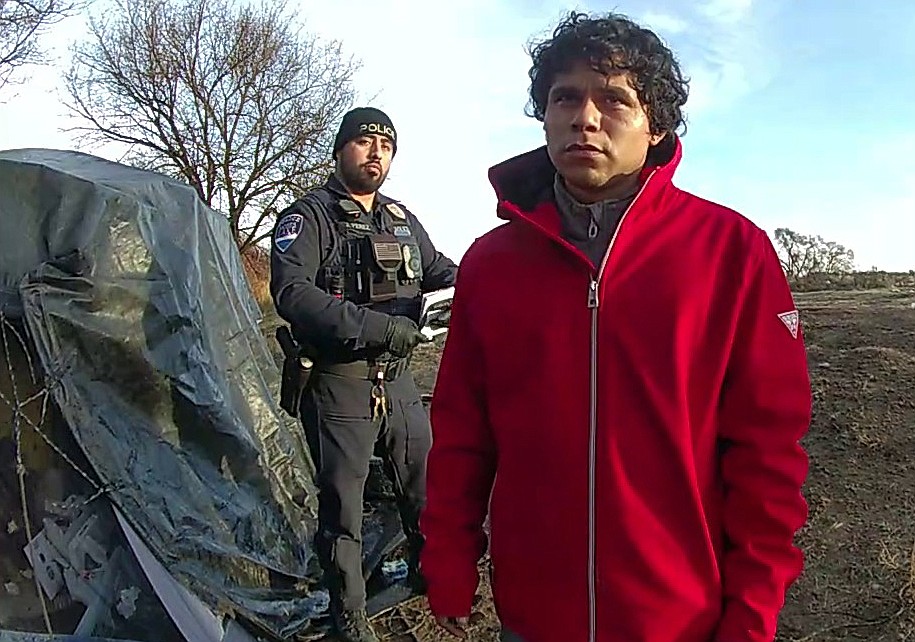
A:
(375, 261)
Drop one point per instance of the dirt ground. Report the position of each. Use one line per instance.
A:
(860, 537)
(859, 581)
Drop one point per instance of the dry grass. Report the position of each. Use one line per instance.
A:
(256, 261)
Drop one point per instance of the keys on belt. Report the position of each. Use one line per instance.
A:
(377, 373)
(379, 397)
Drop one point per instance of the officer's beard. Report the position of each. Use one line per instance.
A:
(357, 179)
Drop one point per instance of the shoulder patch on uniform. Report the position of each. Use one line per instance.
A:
(396, 211)
(792, 322)
(287, 230)
(402, 230)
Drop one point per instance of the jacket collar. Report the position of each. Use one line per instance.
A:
(524, 184)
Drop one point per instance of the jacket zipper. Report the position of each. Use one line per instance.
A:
(594, 305)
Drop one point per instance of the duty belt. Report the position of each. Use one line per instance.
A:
(369, 370)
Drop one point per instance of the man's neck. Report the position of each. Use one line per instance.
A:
(617, 188)
(366, 200)
(571, 206)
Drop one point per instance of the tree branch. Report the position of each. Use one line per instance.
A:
(239, 102)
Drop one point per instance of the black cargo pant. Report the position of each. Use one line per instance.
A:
(337, 413)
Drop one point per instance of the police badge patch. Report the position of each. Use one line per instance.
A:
(287, 231)
(396, 212)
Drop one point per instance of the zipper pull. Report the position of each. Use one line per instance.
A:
(592, 294)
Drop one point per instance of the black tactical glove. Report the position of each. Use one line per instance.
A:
(402, 336)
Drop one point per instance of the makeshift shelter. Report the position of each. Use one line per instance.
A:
(150, 486)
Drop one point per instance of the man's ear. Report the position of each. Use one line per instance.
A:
(656, 138)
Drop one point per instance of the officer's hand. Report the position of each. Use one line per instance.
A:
(402, 336)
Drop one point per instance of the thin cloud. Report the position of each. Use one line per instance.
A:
(664, 24)
(728, 55)
(726, 11)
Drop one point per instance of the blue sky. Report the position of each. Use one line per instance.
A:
(800, 113)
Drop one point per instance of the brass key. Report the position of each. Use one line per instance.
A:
(379, 398)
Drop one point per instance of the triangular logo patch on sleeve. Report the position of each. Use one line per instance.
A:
(791, 321)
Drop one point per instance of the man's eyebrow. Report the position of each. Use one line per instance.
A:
(617, 92)
(565, 88)
(609, 90)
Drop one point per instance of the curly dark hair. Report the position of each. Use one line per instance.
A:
(611, 43)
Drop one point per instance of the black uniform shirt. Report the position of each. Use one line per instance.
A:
(303, 239)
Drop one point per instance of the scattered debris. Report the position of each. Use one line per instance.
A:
(127, 602)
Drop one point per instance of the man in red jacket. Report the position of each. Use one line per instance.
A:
(624, 385)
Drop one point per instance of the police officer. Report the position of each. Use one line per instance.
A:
(348, 269)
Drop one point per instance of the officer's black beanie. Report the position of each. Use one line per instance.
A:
(364, 120)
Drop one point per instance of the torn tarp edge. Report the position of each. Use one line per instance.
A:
(194, 620)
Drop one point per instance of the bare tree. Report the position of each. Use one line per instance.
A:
(803, 255)
(235, 99)
(22, 23)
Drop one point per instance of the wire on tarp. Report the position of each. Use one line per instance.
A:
(17, 436)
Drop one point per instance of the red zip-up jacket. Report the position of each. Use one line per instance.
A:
(632, 428)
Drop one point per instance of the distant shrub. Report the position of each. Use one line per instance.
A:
(870, 280)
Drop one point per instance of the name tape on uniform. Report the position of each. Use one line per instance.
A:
(287, 231)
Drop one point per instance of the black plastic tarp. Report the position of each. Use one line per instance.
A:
(134, 295)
